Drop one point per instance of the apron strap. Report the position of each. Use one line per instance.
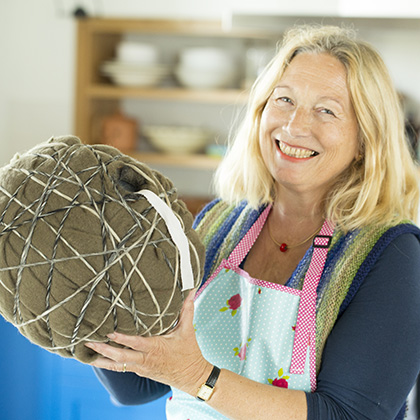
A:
(246, 243)
(307, 314)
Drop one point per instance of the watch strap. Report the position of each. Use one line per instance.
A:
(214, 376)
(206, 390)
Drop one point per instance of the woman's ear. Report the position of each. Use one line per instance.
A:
(130, 180)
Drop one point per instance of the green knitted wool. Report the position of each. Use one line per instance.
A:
(338, 279)
(350, 252)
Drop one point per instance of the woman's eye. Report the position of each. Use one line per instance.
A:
(327, 111)
(284, 99)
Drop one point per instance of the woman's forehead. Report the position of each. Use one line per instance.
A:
(321, 73)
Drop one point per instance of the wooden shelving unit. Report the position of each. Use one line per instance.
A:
(96, 97)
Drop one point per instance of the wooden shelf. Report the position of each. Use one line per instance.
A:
(218, 96)
(187, 27)
(193, 161)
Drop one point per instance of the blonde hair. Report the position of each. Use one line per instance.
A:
(379, 188)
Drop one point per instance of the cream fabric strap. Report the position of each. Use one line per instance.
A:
(177, 234)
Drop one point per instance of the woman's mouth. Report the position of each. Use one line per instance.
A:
(295, 152)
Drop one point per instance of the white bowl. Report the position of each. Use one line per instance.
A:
(206, 58)
(136, 52)
(177, 140)
(204, 78)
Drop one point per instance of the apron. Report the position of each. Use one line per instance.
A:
(260, 330)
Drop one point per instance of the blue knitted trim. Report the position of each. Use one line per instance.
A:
(373, 256)
(216, 241)
(218, 238)
(252, 218)
(213, 248)
(202, 213)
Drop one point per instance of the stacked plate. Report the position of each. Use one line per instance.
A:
(136, 64)
(131, 74)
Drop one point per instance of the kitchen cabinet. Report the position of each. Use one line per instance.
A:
(45, 386)
(97, 97)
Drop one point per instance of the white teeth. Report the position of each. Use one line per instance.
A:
(295, 152)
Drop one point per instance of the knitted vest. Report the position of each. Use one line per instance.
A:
(350, 258)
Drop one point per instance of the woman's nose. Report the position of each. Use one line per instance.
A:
(298, 123)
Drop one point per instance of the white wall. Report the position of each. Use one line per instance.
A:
(36, 74)
(37, 41)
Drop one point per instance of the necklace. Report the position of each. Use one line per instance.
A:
(283, 246)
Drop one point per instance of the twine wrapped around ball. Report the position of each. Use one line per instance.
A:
(85, 251)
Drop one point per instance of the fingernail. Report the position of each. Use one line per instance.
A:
(111, 336)
(90, 345)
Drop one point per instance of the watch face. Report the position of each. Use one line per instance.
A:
(204, 392)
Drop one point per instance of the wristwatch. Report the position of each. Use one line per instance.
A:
(206, 390)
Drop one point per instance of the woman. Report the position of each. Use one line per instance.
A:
(310, 298)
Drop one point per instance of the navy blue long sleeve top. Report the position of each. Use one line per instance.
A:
(371, 358)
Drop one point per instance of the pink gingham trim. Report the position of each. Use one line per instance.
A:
(240, 251)
(267, 284)
(306, 321)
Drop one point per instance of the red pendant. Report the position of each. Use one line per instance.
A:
(283, 247)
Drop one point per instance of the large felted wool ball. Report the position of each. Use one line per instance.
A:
(85, 253)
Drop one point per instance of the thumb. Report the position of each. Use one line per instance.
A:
(187, 311)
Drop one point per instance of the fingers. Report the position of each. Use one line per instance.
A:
(165, 358)
(135, 342)
(104, 363)
(110, 352)
(116, 359)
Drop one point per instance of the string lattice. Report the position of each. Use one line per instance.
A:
(84, 254)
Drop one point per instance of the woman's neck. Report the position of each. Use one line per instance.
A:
(297, 209)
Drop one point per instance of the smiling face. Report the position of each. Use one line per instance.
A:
(308, 130)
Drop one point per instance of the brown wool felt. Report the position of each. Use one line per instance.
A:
(82, 253)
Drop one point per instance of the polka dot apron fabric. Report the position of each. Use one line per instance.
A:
(261, 330)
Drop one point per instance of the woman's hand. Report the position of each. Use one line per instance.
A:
(173, 359)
